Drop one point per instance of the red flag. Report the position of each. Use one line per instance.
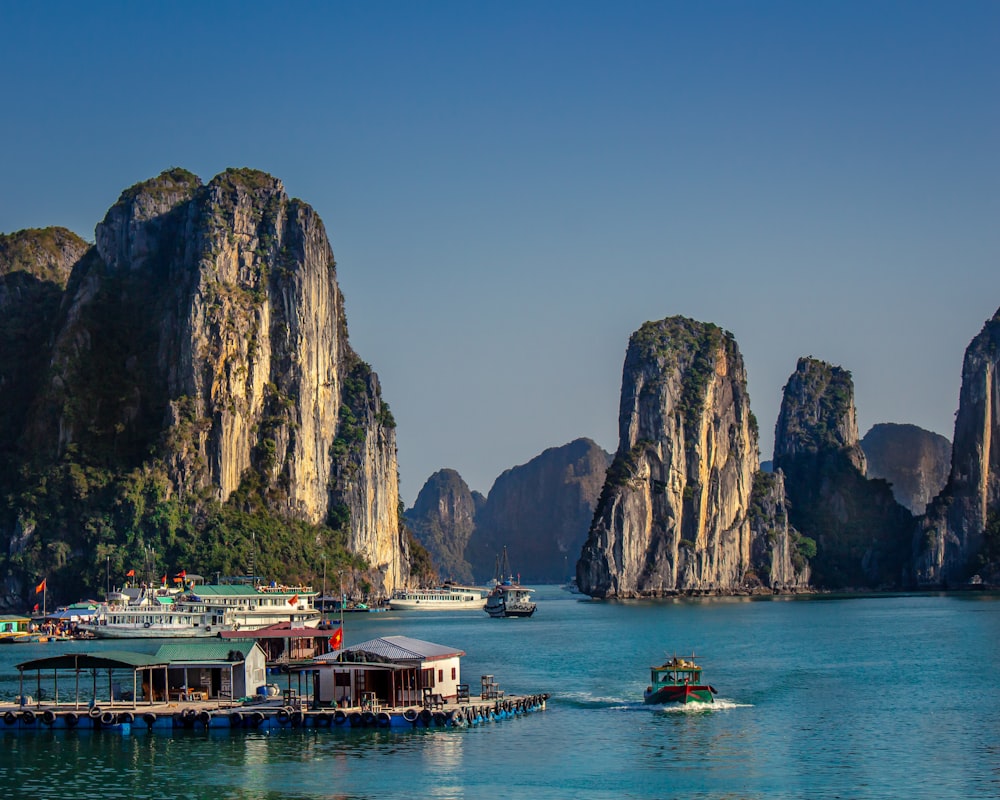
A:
(163, 579)
(337, 639)
(33, 610)
(182, 574)
(293, 599)
(178, 579)
(41, 587)
(130, 573)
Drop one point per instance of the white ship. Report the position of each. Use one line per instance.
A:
(205, 610)
(445, 598)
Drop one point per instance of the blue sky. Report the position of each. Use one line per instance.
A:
(512, 188)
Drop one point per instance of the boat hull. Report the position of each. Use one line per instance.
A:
(683, 694)
(152, 632)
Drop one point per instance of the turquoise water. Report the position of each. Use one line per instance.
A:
(834, 697)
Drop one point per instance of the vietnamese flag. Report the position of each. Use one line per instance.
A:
(130, 573)
(293, 599)
(163, 580)
(35, 608)
(41, 587)
(337, 639)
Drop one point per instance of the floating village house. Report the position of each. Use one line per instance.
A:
(212, 670)
(391, 671)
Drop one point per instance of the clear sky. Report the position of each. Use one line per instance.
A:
(511, 188)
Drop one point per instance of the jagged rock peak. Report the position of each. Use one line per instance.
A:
(443, 518)
(541, 512)
(961, 533)
(47, 254)
(672, 515)
(915, 461)
(817, 413)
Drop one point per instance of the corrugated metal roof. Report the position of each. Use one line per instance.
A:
(203, 651)
(399, 648)
(225, 590)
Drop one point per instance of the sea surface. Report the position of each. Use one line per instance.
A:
(820, 697)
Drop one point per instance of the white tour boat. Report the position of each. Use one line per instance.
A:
(444, 598)
(206, 610)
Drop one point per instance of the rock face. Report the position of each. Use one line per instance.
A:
(916, 462)
(442, 519)
(541, 512)
(861, 533)
(673, 515)
(960, 534)
(34, 268)
(207, 327)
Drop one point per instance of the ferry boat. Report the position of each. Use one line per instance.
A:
(508, 598)
(677, 681)
(444, 598)
(206, 610)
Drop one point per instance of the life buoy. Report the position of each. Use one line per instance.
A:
(145, 624)
(28, 717)
(149, 718)
(339, 717)
(48, 716)
(95, 712)
(410, 715)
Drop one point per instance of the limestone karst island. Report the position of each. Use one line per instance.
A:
(183, 394)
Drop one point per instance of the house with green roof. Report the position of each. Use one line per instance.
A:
(211, 670)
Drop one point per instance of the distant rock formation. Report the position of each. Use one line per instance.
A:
(540, 511)
(201, 356)
(442, 519)
(674, 514)
(862, 534)
(960, 535)
(915, 461)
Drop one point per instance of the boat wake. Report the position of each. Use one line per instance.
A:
(583, 700)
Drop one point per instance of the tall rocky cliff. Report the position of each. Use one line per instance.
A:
(960, 535)
(916, 462)
(202, 346)
(674, 512)
(861, 532)
(540, 511)
(442, 519)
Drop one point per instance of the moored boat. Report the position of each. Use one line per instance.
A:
(444, 598)
(206, 610)
(677, 681)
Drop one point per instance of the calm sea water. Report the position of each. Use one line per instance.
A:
(835, 697)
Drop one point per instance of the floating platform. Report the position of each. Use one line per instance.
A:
(262, 717)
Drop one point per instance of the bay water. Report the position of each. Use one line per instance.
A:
(818, 697)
